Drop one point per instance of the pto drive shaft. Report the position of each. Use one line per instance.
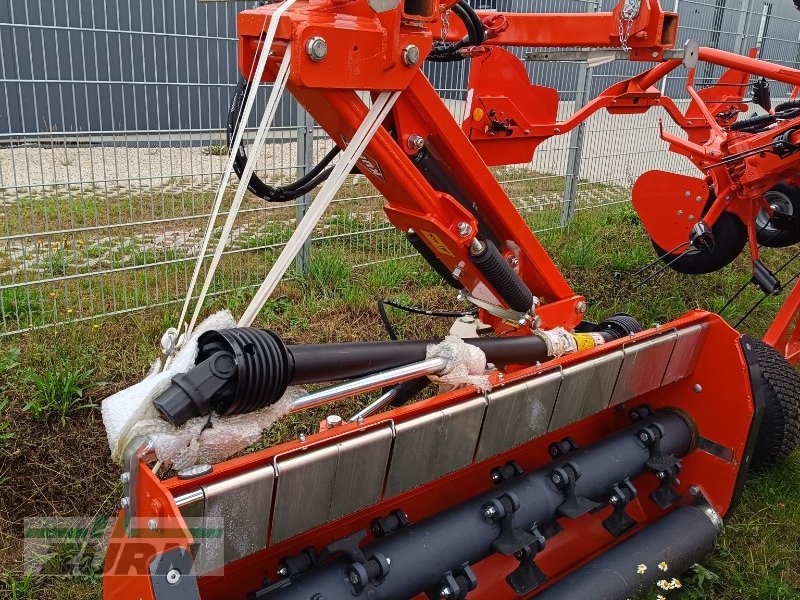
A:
(244, 369)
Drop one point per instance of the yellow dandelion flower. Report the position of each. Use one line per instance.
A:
(663, 566)
(69, 311)
(641, 569)
(52, 294)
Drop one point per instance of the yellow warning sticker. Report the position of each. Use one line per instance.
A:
(436, 243)
(585, 341)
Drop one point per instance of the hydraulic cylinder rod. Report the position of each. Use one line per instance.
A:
(420, 554)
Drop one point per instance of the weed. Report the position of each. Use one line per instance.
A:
(216, 150)
(6, 435)
(581, 253)
(58, 391)
(327, 272)
(10, 360)
(17, 306)
(18, 587)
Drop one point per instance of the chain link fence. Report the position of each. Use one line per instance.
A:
(112, 142)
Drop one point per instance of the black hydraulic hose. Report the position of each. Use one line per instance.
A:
(316, 175)
(448, 51)
(422, 553)
(476, 22)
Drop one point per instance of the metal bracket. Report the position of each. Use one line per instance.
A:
(528, 576)
(511, 539)
(172, 576)
(620, 522)
(140, 448)
(665, 466)
(383, 526)
(508, 471)
(562, 448)
(454, 585)
(595, 58)
(564, 479)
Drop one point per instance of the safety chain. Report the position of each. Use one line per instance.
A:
(626, 16)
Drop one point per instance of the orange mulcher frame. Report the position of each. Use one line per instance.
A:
(367, 50)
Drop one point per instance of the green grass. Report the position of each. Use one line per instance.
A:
(757, 558)
(58, 390)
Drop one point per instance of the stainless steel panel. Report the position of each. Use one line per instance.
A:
(518, 413)
(433, 445)
(586, 389)
(643, 367)
(240, 507)
(360, 472)
(326, 483)
(303, 492)
(687, 350)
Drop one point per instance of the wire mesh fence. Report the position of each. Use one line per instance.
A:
(112, 143)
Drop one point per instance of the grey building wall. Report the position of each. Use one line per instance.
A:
(145, 66)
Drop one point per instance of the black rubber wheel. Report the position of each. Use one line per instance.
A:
(779, 435)
(786, 199)
(730, 237)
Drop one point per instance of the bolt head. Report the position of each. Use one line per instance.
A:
(317, 48)
(173, 576)
(124, 503)
(644, 437)
(614, 499)
(410, 55)
(489, 512)
(556, 478)
(333, 421)
(680, 213)
(464, 229)
(415, 142)
(445, 592)
(302, 438)
(661, 475)
(697, 388)
(283, 572)
(495, 477)
(125, 477)
(354, 578)
(152, 525)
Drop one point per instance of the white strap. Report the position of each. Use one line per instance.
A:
(383, 104)
(252, 159)
(256, 77)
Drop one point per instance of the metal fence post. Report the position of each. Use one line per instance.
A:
(743, 27)
(582, 91)
(305, 159)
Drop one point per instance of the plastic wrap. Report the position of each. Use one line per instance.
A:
(130, 413)
(466, 364)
